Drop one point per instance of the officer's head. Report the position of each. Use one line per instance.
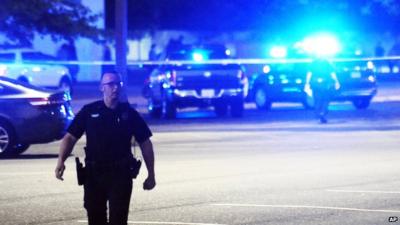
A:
(110, 85)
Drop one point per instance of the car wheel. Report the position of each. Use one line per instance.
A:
(168, 109)
(155, 110)
(23, 80)
(261, 99)
(7, 139)
(221, 108)
(362, 103)
(20, 148)
(66, 85)
(237, 107)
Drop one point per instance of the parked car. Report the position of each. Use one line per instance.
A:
(35, 68)
(196, 84)
(285, 83)
(30, 115)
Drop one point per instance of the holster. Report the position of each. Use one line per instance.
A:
(80, 171)
(134, 167)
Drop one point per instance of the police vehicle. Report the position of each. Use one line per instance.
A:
(285, 82)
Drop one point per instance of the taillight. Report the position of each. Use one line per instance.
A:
(45, 101)
(244, 82)
(172, 77)
(241, 75)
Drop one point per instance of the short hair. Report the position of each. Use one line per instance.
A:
(110, 71)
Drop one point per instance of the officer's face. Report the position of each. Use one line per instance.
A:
(111, 85)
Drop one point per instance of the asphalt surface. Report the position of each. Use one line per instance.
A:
(276, 167)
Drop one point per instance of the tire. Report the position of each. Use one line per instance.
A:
(20, 148)
(261, 99)
(23, 80)
(7, 139)
(237, 107)
(362, 103)
(66, 85)
(221, 108)
(155, 110)
(168, 109)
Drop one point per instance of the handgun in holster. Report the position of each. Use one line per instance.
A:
(80, 171)
(135, 167)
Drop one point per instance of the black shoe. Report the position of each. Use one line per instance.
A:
(323, 120)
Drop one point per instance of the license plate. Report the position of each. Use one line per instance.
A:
(355, 75)
(207, 93)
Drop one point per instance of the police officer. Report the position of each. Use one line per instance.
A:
(109, 125)
(322, 82)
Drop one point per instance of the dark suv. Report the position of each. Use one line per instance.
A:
(195, 81)
(285, 83)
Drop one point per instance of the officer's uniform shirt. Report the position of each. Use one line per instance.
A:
(109, 131)
(321, 74)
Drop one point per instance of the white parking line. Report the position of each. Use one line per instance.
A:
(159, 222)
(393, 98)
(309, 207)
(361, 191)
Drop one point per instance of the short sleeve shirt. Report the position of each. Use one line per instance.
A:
(321, 72)
(109, 132)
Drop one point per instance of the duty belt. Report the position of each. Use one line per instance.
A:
(110, 165)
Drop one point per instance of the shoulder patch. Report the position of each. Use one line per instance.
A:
(125, 116)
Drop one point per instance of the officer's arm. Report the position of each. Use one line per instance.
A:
(148, 156)
(67, 144)
(307, 88)
(308, 77)
(334, 77)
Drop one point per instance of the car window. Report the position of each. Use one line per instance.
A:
(36, 56)
(211, 52)
(7, 57)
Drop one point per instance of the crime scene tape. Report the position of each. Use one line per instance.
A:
(221, 61)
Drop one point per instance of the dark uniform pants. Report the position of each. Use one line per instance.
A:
(322, 97)
(113, 187)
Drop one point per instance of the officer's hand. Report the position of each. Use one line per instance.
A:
(307, 89)
(337, 86)
(149, 183)
(60, 171)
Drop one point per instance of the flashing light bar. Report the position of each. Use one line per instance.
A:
(278, 52)
(323, 44)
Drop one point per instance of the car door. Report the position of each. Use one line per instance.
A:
(40, 71)
(8, 66)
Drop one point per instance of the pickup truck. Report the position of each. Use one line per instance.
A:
(190, 80)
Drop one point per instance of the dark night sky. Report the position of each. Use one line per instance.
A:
(234, 15)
